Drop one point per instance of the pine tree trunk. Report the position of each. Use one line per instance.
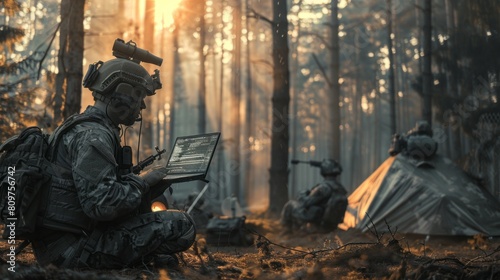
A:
(278, 180)
(221, 162)
(451, 83)
(427, 71)
(295, 103)
(334, 139)
(148, 141)
(74, 59)
(175, 73)
(392, 93)
(202, 106)
(235, 107)
(357, 122)
(248, 112)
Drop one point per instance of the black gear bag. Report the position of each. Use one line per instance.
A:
(22, 177)
(224, 231)
(26, 171)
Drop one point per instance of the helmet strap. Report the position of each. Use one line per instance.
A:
(101, 97)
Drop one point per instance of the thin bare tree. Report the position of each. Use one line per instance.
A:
(278, 180)
(427, 72)
(236, 98)
(70, 59)
(149, 43)
(334, 139)
(392, 92)
(202, 89)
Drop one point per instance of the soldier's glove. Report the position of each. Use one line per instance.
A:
(154, 175)
(159, 188)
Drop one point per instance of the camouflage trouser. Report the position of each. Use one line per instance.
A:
(125, 244)
(295, 215)
(334, 211)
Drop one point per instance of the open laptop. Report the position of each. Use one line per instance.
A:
(190, 157)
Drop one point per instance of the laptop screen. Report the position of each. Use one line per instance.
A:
(191, 155)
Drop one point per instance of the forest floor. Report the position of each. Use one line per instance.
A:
(336, 255)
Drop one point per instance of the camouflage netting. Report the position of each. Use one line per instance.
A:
(484, 161)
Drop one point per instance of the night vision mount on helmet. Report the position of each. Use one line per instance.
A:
(103, 77)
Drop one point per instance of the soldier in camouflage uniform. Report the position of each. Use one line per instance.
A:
(95, 213)
(323, 206)
(417, 143)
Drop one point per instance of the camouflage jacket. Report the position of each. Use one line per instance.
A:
(321, 193)
(90, 151)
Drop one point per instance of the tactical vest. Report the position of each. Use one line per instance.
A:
(335, 207)
(61, 206)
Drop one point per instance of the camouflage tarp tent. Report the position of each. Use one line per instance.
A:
(432, 200)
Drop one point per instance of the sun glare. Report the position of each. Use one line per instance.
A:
(164, 11)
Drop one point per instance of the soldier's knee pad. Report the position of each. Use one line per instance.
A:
(188, 232)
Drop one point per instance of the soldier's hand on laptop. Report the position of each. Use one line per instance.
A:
(154, 175)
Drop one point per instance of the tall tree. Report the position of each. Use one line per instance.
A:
(202, 105)
(427, 80)
(176, 77)
(149, 44)
(451, 83)
(248, 109)
(221, 162)
(294, 95)
(392, 92)
(236, 98)
(70, 58)
(280, 102)
(334, 140)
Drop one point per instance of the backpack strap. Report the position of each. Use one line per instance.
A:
(21, 246)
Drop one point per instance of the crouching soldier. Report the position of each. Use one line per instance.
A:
(323, 207)
(417, 143)
(93, 216)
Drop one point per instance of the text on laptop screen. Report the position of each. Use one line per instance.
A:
(192, 154)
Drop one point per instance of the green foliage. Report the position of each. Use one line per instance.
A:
(11, 7)
(16, 90)
(10, 35)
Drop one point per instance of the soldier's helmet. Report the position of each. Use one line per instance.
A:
(103, 77)
(421, 128)
(330, 167)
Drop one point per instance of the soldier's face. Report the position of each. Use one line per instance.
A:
(126, 104)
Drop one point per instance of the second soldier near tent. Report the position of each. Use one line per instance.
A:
(322, 207)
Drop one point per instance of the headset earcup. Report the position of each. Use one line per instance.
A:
(119, 109)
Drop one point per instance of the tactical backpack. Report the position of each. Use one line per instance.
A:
(22, 177)
(26, 171)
